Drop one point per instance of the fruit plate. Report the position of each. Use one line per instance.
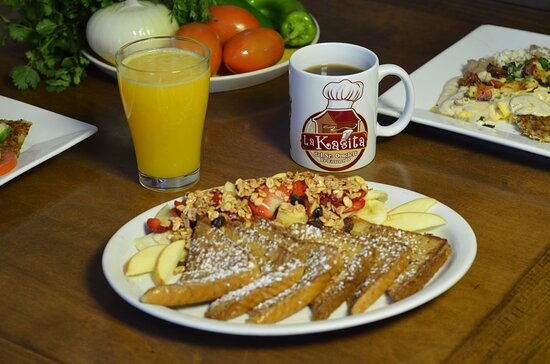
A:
(225, 82)
(50, 134)
(457, 231)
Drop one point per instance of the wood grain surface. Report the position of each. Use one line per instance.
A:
(55, 220)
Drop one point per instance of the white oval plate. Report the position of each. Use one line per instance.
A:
(226, 82)
(457, 231)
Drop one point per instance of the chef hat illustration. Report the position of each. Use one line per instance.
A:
(342, 94)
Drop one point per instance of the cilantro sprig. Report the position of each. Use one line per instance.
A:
(55, 32)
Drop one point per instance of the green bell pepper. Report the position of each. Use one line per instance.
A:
(260, 17)
(5, 130)
(291, 19)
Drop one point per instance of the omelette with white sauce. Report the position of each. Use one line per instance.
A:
(510, 86)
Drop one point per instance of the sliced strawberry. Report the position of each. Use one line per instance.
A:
(155, 226)
(307, 205)
(285, 189)
(270, 203)
(356, 205)
(299, 188)
(325, 199)
(216, 198)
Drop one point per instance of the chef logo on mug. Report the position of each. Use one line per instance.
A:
(335, 138)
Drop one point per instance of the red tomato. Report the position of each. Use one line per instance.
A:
(253, 49)
(206, 35)
(228, 20)
(8, 161)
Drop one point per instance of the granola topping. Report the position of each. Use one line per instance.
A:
(243, 199)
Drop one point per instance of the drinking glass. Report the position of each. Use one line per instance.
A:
(164, 85)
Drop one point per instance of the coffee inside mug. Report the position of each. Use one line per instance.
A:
(334, 59)
(333, 70)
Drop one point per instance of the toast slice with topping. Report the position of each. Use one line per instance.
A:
(357, 259)
(391, 259)
(321, 262)
(214, 267)
(279, 268)
(268, 285)
(426, 254)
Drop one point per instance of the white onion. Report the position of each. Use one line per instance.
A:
(110, 28)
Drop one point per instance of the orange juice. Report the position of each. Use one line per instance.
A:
(165, 94)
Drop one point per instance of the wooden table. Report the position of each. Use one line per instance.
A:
(55, 219)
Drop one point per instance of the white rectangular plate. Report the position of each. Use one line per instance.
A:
(429, 80)
(50, 134)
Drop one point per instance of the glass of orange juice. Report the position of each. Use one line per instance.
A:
(164, 84)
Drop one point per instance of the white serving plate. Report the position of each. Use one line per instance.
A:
(225, 82)
(457, 231)
(50, 134)
(430, 78)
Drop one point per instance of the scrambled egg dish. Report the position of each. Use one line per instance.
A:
(511, 86)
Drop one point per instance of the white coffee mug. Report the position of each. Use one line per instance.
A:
(333, 125)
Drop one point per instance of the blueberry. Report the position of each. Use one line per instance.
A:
(218, 222)
(294, 199)
(317, 213)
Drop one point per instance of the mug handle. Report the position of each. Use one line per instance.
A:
(405, 117)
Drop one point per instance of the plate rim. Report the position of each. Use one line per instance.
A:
(388, 100)
(447, 277)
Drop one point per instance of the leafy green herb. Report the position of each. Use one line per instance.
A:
(513, 71)
(185, 11)
(55, 32)
(544, 63)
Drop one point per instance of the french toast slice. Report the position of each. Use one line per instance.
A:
(321, 262)
(391, 260)
(267, 253)
(427, 253)
(238, 302)
(214, 267)
(357, 259)
(280, 269)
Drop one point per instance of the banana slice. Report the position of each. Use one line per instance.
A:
(374, 212)
(229, 187)
(377, 195)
